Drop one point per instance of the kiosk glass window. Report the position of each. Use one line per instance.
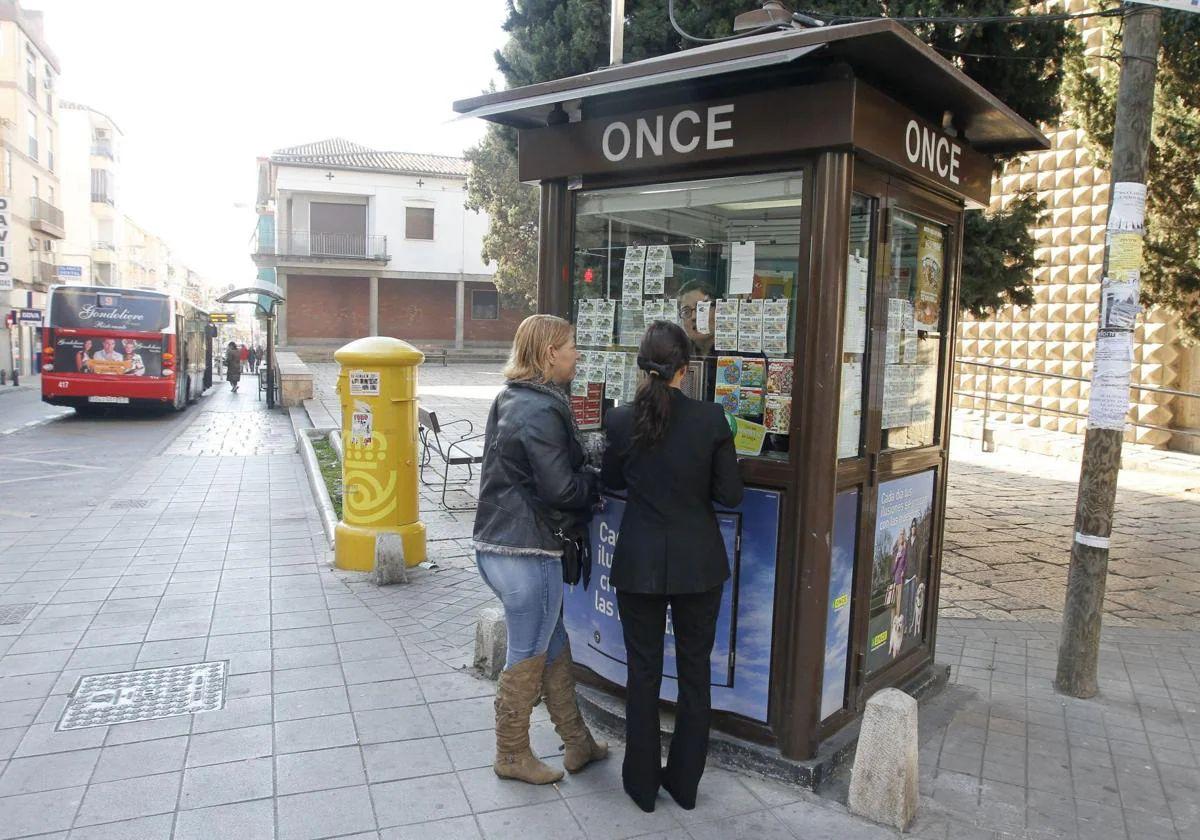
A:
(854, 327)
(916, 296)
(718, 257)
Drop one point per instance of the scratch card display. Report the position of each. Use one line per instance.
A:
(726, 324)
(703, 316)
(777, 414)
(654, 282)
(775, 327)
(754, 373)
(631, 325)
(779, 377)
(587, 399)
(729, 370)
(750, 326)
(655, 310)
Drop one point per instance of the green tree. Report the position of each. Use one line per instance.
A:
(1022, 65)
(1171, 275)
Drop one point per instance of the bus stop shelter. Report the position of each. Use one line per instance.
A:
(266, 302)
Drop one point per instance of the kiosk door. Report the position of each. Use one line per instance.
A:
(896, 343)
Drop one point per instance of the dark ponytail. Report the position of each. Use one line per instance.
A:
(664, 350)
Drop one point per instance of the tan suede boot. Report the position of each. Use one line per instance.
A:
(558, 690)
(515, 692)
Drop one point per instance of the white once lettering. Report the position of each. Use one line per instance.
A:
(684, 148)
(715, 125)
(616, 128)
(954, 150)
(943, 145)
(653, 139)
(927, 142)
(912, 141)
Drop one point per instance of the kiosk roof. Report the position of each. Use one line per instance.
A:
(876, 50)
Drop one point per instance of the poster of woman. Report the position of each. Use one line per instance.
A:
(900, 567)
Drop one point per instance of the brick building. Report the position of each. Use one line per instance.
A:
(366, 242)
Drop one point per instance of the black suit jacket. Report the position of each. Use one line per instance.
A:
(670, 542)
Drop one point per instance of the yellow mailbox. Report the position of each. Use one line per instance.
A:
(378, 390)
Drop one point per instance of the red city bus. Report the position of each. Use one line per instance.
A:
(104, 345)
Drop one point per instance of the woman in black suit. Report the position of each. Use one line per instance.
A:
(675, 457)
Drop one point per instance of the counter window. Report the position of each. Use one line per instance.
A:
(719, 258)
(915, 314)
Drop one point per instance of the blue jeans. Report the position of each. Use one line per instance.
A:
(531, 590)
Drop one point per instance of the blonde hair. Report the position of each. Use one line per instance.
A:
(529, 358)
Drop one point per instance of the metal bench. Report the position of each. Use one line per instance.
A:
(434, 352)
(450, 450)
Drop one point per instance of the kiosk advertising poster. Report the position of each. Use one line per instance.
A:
(928, 299)
(741, 657)
(114, 356)
(899, 568)
(841, 586)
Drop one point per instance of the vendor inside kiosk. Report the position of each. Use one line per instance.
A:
(795, 202)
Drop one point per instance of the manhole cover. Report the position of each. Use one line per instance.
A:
(105, 699)
(12, 613)
(129, 503)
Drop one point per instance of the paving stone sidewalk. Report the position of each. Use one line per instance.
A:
(334, 724)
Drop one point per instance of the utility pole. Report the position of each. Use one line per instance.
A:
(1079, 647)
(616, 33)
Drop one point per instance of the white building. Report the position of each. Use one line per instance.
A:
(90, 145)
(365, 242)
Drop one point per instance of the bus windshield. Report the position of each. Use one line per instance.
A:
(101, 309)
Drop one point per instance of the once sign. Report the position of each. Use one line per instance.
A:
(929, 150)
(683, 134)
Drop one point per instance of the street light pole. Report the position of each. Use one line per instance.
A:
(1079, 646)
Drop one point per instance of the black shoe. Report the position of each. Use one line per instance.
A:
(639, 801)
(686, 805)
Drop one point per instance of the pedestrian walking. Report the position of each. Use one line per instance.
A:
(244, 354)
(253, 360)
(534, 486)
(233, 366)
(675, 457)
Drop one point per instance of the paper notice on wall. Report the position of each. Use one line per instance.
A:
(1128, 211)
(655, 310)
(362, 424)
(1125, 255)
(1108, 402)
(741, 268)
(631, 325)
(850, 414)
(364, 383)
(1119, 306)
(854, 332)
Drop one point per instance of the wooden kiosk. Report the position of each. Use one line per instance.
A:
(795, 201)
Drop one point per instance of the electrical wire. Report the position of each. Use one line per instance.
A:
(1061, 17)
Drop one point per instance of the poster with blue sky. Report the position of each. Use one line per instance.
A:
(741, 657)
(841, 587)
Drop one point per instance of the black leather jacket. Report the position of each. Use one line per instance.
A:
(533, 471)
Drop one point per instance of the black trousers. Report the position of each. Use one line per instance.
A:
(643, 621)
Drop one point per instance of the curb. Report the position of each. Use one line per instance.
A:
(315, 482)
(32, 424)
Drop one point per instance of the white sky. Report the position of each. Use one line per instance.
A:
(200, 89)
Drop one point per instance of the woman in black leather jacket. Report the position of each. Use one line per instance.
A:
(534, 481)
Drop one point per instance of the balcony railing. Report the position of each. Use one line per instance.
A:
(102, 197)
(303, 243)
(103, 148)
(44, 211)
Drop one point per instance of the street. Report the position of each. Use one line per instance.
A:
(191, 542)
